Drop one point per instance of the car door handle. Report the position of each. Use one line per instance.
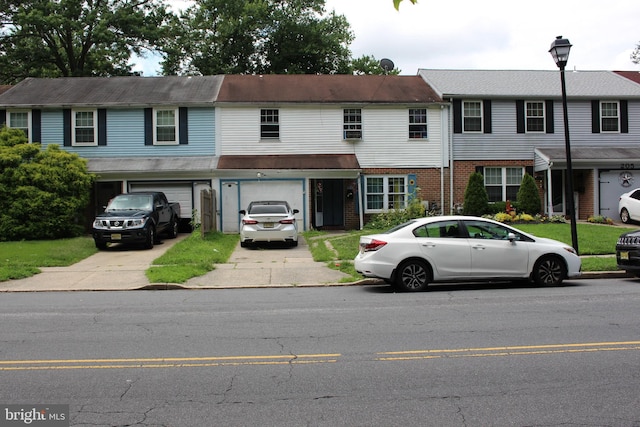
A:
(429, 245)
(479, 247)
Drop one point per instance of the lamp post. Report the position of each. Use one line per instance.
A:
(560, 52)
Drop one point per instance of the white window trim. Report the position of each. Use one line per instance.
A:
(73, 128)
(278, 123)
(29, 121)
(543, 117)
(176, 115)
(503, 178)
(426, 124)
(350, 130)
(602, 117)
(464, 101)
(385, 192)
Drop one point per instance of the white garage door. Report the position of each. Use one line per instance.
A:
(291, 191)
(175, 192)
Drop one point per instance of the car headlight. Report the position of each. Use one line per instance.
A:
(138, 222)
(570, 249)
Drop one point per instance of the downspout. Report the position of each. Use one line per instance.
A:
(361, 198)
(450, 140)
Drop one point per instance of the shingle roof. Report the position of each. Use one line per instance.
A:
(540, 83)
(112, 91)
(290, 161)
(4, 88)
(631, 75)
(335, 88)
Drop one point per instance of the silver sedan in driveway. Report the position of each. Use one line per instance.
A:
(463, 248)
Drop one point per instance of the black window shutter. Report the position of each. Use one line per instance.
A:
(624, 117)
(183, 124)
(486, 111)
(529, 170)
(36, 125)
(480, 169)
(148, 126)
(3, 117)
(102, 126)
(457, 116)
(595, 116)
(66, 126)
(548, 112)
(520, 116)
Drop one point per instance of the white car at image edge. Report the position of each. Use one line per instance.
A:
(463, 248)
(629, 206)
(268, 221)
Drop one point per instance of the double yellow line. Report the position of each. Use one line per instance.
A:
(164, 362)
(510, 350)
(301, 359)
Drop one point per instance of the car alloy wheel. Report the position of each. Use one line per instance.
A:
(624, 216)
(413, 275)
(549, 271)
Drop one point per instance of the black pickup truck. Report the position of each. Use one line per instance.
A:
(137, 217)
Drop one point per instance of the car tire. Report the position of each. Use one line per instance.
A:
(151, 238)
(101, 245)
(549, 271)
(172, 232)
(412, 275)
(624, 216)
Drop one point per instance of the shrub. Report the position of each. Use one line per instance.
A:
(386, 220)
(476, 199)
(528, 198)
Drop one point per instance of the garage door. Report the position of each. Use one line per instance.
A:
(613, 184)
(175, 192)
(291, 191)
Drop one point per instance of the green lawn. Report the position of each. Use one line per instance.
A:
(195, 256)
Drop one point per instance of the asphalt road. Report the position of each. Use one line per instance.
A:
(458, 355)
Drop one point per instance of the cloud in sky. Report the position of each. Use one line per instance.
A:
(489, 34)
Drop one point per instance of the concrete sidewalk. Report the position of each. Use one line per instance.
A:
(123, 268)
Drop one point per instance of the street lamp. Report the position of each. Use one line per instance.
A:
(560, 52)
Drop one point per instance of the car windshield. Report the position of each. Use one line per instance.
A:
(130, 202)
(268, 209)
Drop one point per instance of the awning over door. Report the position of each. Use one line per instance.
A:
(587, 157)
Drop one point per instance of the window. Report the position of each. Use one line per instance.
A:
(84, 127)
(165, 126)
(447, 229)
(417, 123)
(269, 124)
(534, 113)
(502, 183)
(472, 116)
(385, 193)
(20, 120)
(609, 116)
(352, 124)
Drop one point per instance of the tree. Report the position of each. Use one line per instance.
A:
(53, 38)
(635, 55)
(528, 197)
(476, 199)
(42, 192)
(370, 65)
(259, 36)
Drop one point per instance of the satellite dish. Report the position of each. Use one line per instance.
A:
(386, 64)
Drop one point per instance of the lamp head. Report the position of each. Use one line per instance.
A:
(560, 51)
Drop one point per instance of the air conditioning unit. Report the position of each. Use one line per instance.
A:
(352, 135)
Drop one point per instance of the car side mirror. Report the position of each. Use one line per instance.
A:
(511, 237)
(295, 211)
(242, 212)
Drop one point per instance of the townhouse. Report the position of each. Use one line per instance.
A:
(338, 147)
(504, 123)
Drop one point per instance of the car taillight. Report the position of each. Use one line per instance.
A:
(373, 245)
(249, 221)
(287, 221)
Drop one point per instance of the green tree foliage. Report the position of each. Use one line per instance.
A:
(368, 64)
(476, 199)
(396, 3)
(42, 192)
(54, 38)
(259, 36)
(528, 198)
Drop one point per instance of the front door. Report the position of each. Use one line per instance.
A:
(329, 203)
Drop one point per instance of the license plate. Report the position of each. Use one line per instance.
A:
(116, 236)
(624, 255)
(268, 225)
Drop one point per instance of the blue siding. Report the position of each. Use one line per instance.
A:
(125, 135)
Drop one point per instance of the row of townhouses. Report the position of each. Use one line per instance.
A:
(341, 148)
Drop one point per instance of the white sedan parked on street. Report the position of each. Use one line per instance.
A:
(268, 221)
(629, 206)
(463, 248)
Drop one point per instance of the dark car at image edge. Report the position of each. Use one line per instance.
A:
(628, 252)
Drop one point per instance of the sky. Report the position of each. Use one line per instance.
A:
(489, 34)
